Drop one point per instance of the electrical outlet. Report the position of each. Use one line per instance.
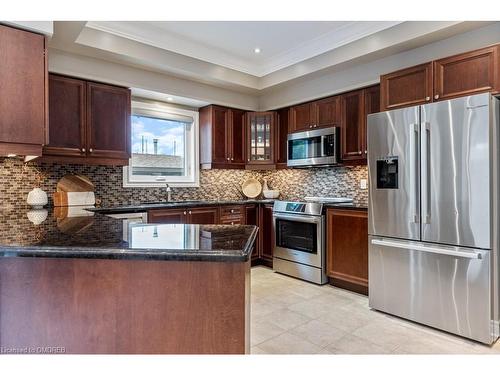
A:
(363, 184)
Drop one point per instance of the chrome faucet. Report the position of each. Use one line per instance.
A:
(169, 193)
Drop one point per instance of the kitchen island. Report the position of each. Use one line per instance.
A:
(72, 284)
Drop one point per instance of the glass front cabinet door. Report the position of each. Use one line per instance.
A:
(260, 138)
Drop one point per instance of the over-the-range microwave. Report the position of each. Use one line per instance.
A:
(314, 148)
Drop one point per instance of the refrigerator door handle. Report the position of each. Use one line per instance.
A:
(414, 173)
(426, 171)
(427, 249)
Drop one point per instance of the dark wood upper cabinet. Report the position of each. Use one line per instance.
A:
(222, 137)
(23, 92)
(372, 105)
(326, 112)
(67, 117)
(89, 122)
(347, 248)
(108, 121)
(301, 117)
(466, 74)
(353, 123)
(318, 114)
(237, 136)
(260, 146)
(281, 138)
(406, 87)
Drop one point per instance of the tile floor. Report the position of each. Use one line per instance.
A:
(290, 316)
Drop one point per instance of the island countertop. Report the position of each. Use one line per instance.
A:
(83, 234)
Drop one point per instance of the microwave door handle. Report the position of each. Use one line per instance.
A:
(323, 151)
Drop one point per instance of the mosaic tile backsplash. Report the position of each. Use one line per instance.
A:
(18, 178)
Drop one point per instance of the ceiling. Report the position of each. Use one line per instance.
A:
(232, 44)
(214, 61)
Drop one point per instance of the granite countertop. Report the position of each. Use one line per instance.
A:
(143, 207)
(63, 233)
(351, 206)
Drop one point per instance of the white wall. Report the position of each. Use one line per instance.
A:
(113, 73)
(323, 84)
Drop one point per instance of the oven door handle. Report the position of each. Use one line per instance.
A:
(300, 218)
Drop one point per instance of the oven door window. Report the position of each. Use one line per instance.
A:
(297, 235)
(304, 148)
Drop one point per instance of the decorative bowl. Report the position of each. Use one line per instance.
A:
(251, 188)
(271, 194)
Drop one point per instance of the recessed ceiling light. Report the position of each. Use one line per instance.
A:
(256, 50)
(170, 99)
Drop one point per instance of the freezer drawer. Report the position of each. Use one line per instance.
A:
(441, 286)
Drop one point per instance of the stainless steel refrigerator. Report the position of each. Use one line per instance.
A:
(433, 215)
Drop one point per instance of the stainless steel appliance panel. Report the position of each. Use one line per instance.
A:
(393, 141)
(293, 253)
(456, 183)
(313, 148)
(300, 271)
(441, 286)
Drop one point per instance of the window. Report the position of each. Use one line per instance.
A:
(164, 147)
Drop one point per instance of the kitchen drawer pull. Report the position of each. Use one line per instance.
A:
(90, 150)
(83, 150)
(427, 249)
(185, 212)
(190, 212)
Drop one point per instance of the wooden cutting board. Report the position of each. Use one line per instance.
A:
(74, 190)
(75, 183)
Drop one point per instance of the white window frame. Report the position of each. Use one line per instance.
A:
(192, 160)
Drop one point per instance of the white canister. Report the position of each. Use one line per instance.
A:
(37, 198)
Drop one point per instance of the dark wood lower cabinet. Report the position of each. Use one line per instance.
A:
(251, 218)
(203, 215)
(108, 306)
(260, 215)
(347, 248)
(167, 216)
(198, 215)
(266, 234)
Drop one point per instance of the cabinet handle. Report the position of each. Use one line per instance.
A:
(366, 151)
(190, 212)
(360, 152)
(232, 211)
(83, 150)
(310, 126)
(228, 159)
(90, 150)
(427, 98)
(232, 222)
(184, 212)
(232, 159)
(436, 96)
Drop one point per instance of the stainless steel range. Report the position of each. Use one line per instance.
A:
(299, 229)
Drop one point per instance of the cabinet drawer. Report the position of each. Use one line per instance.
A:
(232, 221)
(230, 212)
